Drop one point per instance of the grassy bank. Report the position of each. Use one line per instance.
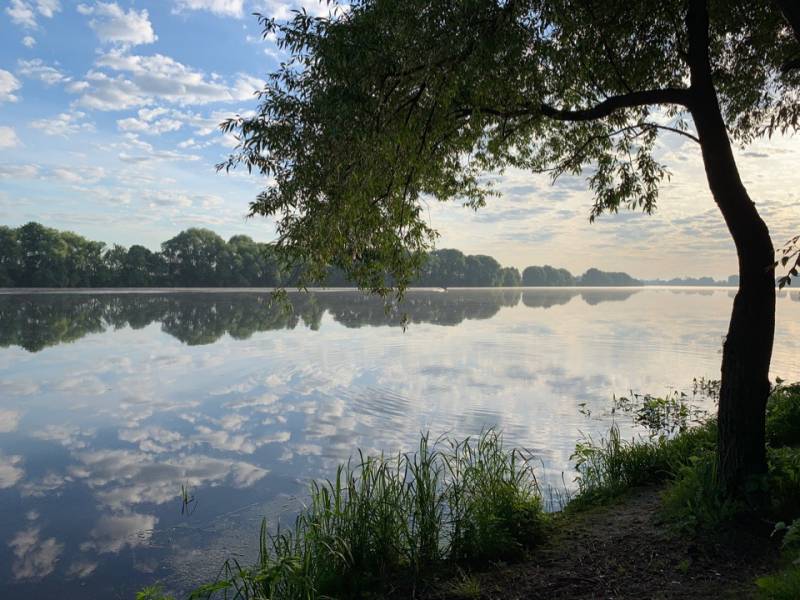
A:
(685, 464)
(392, 525)
(386, 522)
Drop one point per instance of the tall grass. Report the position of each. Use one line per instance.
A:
(384, 519)
(610, 466)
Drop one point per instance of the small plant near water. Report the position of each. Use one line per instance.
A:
(389, 519)
(661, 416)
(783, 415)
(610, 466)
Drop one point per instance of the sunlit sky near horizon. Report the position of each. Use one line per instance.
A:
(108, 114)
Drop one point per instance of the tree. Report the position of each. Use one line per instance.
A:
(388, 103)
(596, 277)
(196, 257)
(510, 277)
(10, 257)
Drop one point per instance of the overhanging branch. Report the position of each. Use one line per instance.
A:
(615, 103)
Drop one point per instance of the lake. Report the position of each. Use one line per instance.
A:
(144, 435)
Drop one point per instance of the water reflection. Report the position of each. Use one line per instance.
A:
(242, 404)
(37, 321)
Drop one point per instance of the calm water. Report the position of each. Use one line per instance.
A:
(110, 403)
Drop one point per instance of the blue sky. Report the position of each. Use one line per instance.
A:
(108, 114)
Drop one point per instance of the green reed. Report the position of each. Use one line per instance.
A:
(391, 519)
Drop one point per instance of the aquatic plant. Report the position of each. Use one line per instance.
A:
(385, 520)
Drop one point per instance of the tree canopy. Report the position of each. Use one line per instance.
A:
(387, 105)
(37, 256)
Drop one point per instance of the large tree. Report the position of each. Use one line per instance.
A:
(385, 105)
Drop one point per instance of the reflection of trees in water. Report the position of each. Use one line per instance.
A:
(36, 321)
(545, 298)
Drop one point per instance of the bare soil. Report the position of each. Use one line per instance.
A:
(625, 551)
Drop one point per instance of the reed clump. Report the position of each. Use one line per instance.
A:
(393, 518)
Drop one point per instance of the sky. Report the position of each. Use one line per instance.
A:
(108, 127)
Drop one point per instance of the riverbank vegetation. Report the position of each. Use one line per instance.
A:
(388, 521)
(37, 256)
(467, 520)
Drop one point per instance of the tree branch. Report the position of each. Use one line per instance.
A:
(615, 103)
(791, 12)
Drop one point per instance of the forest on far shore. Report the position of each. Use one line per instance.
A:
(37, 256)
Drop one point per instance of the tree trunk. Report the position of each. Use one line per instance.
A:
(748, 346)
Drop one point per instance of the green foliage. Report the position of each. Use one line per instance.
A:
(598, 278)
(201, 258)
(611, 466)
(391, 517)
(784, 585)
(784, 481)
(696, 499)
(153, 592)
(783, 416)
(37, 256)
(547, 276)
(381, 106)
(467, 586)
(661, 416)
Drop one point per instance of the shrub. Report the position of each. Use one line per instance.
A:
(611, 466)
(695, 500)
(783, 416)
(784, 482)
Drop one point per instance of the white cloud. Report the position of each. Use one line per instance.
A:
(8, 138)
(281, 9)
(113, 25)
(23, 13)
(34, 558)
(145, 79)
(48, 7)
(113, 533)
(37, 69)
(63, 124)
(81, 568)
(137, 151)
(8, 85)
(224, 8)
(29, 41)
(18, 172)
(9, 420)
(10, 471)
(147, 122)
(79, 175)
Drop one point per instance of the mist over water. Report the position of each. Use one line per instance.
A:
(112, 403)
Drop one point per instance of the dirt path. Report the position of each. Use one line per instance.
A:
(625, 551)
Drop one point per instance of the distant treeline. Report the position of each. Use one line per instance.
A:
(732, 281)
(37, 256)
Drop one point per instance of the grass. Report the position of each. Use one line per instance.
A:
(391, 519)
(610, 466)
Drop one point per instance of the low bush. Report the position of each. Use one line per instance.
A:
(784, 482)
(783, 416)
(695, 500)
(611, 466)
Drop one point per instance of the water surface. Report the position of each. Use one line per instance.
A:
(111, 403)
